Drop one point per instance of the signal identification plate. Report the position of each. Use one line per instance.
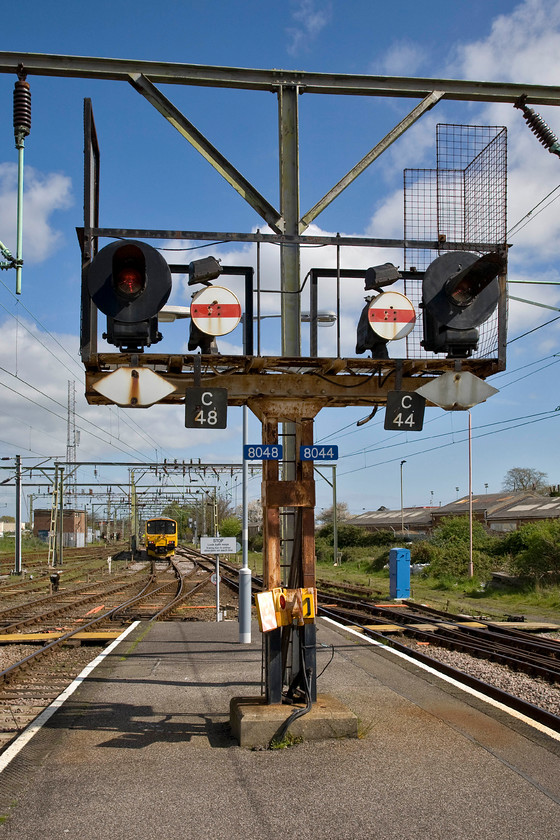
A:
(318, 453)
(206, 408)
(405, 411)
(262, 451)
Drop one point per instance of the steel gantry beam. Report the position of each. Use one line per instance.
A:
(119, 69)
(172, 114)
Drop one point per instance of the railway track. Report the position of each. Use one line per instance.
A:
(485, 655)
(32, 676)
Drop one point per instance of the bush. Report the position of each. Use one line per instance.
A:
(455, 529)
(541, 556)
(323, 550)
(230, 527)
(447, 552)
(353, 535)
(511, 544)
(256, 542)
(423, 552)
(453, 561)
(379, 538)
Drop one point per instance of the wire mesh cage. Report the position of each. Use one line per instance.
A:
(460, 205)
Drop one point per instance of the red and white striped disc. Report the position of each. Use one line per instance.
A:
(391, 315)
(215, 310)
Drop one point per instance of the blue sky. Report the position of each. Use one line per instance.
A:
(150, 177)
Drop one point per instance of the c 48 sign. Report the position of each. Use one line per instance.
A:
(206, 408)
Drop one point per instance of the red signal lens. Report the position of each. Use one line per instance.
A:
(282, 602)
(463, 294)
(130, 281)
(129, 271)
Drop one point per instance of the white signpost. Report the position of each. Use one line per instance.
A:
(217, 546)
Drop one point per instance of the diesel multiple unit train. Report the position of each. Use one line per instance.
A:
(161, 537)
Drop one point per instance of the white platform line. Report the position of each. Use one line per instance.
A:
(10, 753)
(513, 712)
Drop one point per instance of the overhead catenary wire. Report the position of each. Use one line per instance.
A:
(376, 447)
(529, 215)
(350, 428)
(78, 368)
(61, 417)
(550, 415)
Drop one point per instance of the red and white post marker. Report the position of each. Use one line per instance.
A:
(391, 316)
(215, 310)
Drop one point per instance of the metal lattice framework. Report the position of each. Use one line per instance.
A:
(462, 201)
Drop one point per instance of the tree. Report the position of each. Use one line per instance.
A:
(326, 515)
(525, 478)
(254, 512)
(230, 527)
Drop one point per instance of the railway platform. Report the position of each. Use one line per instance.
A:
(143, 749)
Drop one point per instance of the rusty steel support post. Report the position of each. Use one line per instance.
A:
(297, 492)
(271, 516)
(272, 640)
(306, 522)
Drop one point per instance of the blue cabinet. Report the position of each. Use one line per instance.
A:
(399, 573)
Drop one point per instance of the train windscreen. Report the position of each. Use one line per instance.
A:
(161, 526)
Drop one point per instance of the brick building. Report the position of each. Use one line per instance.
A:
(73, 531)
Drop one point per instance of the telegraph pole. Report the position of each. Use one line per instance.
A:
(17, 563)
(61, 518)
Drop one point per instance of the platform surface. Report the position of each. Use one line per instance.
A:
(143, 750)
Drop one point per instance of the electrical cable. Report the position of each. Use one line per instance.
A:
(528, 216)
(440, 435)
(73, 360)
(300, 712)
(64, 419)
(534, 329)
(330, 660)
(441, 446)
(36, 320)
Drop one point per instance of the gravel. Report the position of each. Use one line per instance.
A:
(531, 689)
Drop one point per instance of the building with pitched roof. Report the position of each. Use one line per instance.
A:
(498, 512)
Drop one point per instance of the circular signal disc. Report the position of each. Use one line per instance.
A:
(215, 310)
(391, 316)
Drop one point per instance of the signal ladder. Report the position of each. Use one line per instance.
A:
(54, 521)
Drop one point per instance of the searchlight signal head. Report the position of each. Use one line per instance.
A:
(130, 283)
(459, 292)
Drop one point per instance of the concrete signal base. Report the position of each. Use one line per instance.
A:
(254, 723)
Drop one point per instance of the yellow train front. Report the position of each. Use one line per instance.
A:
(161, 537)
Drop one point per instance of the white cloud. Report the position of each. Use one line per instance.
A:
(310, 21)
(43, 195)
(402, 58)
(34, 388)
(523, 46)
